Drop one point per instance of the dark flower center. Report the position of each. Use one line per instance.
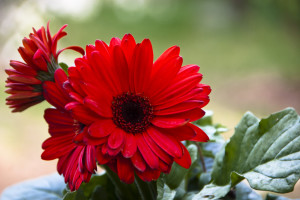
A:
(132, 112)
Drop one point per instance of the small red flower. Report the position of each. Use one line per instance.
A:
(76, 160)
(40, 62)
(134, 111)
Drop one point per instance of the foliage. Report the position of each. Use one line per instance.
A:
(265, 152)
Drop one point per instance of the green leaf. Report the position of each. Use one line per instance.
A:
(163, 191)
(266, 153)
(98, 186)
(177, 173)
(212, 191)
(147, 190)
(121, 190)
(64, 66)
(46, 187)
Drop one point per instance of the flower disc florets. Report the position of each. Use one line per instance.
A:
(132, 112)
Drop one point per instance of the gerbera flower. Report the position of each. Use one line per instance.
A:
(135, 111)
(76, 160)
(40, 62)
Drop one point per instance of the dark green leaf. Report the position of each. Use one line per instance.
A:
(64, 66)
(46, 187)
(99, 185)
(266, 153)
(177, 174)
(212, 191)
(121, 190)
(163, 191)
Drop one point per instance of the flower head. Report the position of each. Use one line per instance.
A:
(136, 112)
(40, 57)
(76, 159)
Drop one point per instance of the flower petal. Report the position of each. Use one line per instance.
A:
(201, 136)
(150, 158)
(125, 170)
(166, 142)
(157, 150)
(130, 146)
(101, 128)
(138, 161)
(116, 138)
(185, 161)
(143, 65)
(168, 122)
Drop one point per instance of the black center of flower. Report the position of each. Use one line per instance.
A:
(132, 112)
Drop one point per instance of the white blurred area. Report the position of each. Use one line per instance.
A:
(17, 20)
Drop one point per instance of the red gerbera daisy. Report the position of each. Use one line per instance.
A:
(76, 160)
(135, 111)
(40, 55)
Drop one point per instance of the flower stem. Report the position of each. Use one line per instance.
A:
(147, 190)
(201, 157)
(122, 190)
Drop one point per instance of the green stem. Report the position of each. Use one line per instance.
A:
(147, 190)
(123, 190)
(201, 156)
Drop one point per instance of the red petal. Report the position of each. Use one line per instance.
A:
(81, 113)
(54, 116)
(173, 101)
(181, 107)
(166, 168)
(180, 133)
(192, 115)
(138, 161)
(149, 174)
(150, 158)
(166, 142)
(164, 77)
(116, 138)
(114, 152)
(179, 88)
(125, 170)
(168, 122)
(130, 146)
(201, 135)
(170, 53)
(114, 42)
(101, 128)
(143, 65)
(157, 150)
(185, 161)
(90, 158)
(121, 68)
(39, 59)
(94, 141)
(101, 158)
(74, 48)
(23, 95)
(23, 68)
(25, 79)
(104, 65)
(54, 95)
(128, 45)
(101, 109)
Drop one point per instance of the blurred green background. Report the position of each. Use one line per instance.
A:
(248, 51)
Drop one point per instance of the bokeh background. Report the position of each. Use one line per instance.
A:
(248, 51)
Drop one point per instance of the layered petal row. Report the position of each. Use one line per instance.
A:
(40, 56)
